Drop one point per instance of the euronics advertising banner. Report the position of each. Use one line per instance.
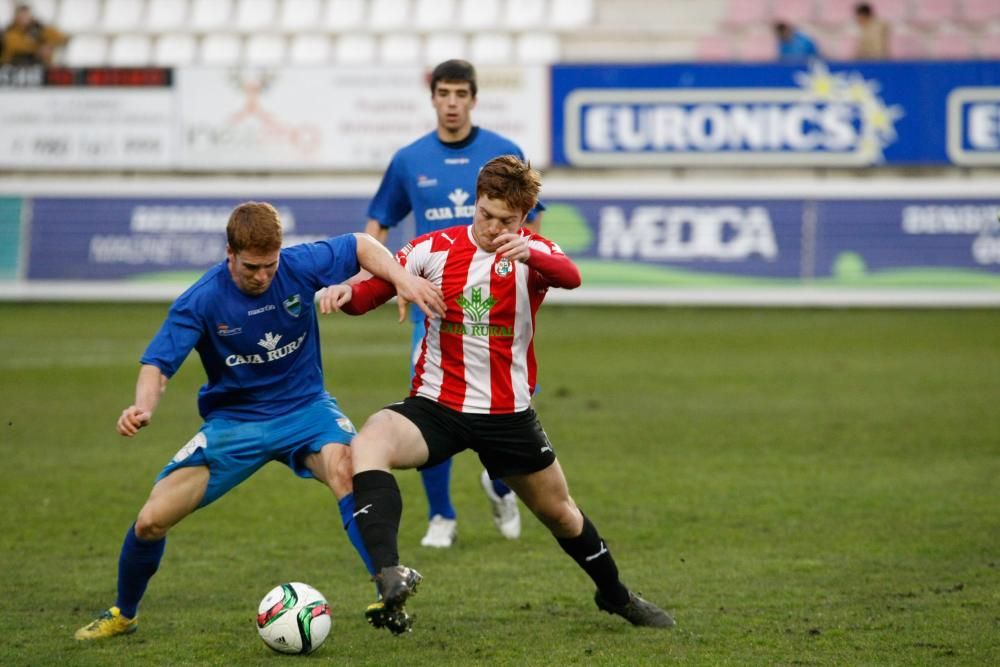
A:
(860, 243)
(817, 115)
(162, 239)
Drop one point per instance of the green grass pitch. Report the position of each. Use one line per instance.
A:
(798, 487)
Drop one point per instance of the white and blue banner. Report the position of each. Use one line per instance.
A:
(815, 115)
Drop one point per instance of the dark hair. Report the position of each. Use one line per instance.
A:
(508, 179)
(782, 28)
(254, 226)
(863, 9)
(454, 70)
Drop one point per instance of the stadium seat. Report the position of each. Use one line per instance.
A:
(389, 14)
(166, 15)
(344, 14)
(538, 48)
(905, 44)
(524, 14)
(439, 47)
(570, 14)
(174, 50)
(400, 48)
(130, 51)
(123, 15)
(743, 13)
(795, 12)
(87, 50)
(840, 45)
(479, 14)
(254, 15)
(980, 11)
(433, 14)
(491, 48)
(716, 48)
(309, 50)
(220, 49)
(211, 14)
(355, 49)
(837, 13)
(78, 16)
(934, 12)
(988, 44)
(264, 49)
(300, 14)
(758, 45)
(892, 11)
(45, 11)
(951, 44)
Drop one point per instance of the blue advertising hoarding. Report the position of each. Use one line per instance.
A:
(163, 238)
(810, 115)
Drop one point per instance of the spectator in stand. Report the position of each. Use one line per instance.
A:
(27, 41)
(873, 43)
(794, 45)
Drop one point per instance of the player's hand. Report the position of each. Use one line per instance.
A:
(333, 298)
(422, 292)
(133, 418)
(513, 247)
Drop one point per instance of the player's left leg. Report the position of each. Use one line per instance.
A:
(546, 494)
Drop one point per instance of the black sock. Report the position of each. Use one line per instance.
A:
(378, 508)
(591, 553)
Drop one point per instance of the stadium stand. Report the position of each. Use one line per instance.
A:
(498, 31)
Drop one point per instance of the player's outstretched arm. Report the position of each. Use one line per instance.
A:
(148, 390)
(427, 296)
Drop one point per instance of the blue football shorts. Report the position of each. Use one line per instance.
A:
(235, 449)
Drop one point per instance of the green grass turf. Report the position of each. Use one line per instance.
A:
(796, 486)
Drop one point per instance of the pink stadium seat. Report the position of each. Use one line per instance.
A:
(716, 48)
(980, 11)
(952, 45)
(758, 46)
(934, 12)
(905, 45)
(891, 11)
(748, 12)
(836, 12)
(839, 46)
(988, 44)
(795, 12)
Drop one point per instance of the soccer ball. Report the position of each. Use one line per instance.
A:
(294, 618)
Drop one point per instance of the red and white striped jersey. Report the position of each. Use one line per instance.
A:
(480, 357)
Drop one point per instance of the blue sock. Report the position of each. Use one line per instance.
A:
(500, 488)
(346, 505)
(137, 564)
(437, 483)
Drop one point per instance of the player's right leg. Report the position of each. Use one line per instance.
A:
(388, 440)
(173, 497)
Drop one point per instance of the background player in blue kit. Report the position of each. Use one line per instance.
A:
(435, 178)
(252, 320)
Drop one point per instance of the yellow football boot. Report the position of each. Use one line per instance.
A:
(108, 624)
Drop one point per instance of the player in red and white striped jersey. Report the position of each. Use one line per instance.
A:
(472, 389)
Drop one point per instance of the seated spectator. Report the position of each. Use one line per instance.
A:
(873, 42)
(794, 45)
(26, 41)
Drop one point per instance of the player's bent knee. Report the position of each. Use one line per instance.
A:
(148, 529)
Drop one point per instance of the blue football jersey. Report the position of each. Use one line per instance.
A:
(261, 353)
(437, 181)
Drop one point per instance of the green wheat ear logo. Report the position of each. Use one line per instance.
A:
(477, 308)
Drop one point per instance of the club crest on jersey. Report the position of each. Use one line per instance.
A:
(293, 305)
(504, 267)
